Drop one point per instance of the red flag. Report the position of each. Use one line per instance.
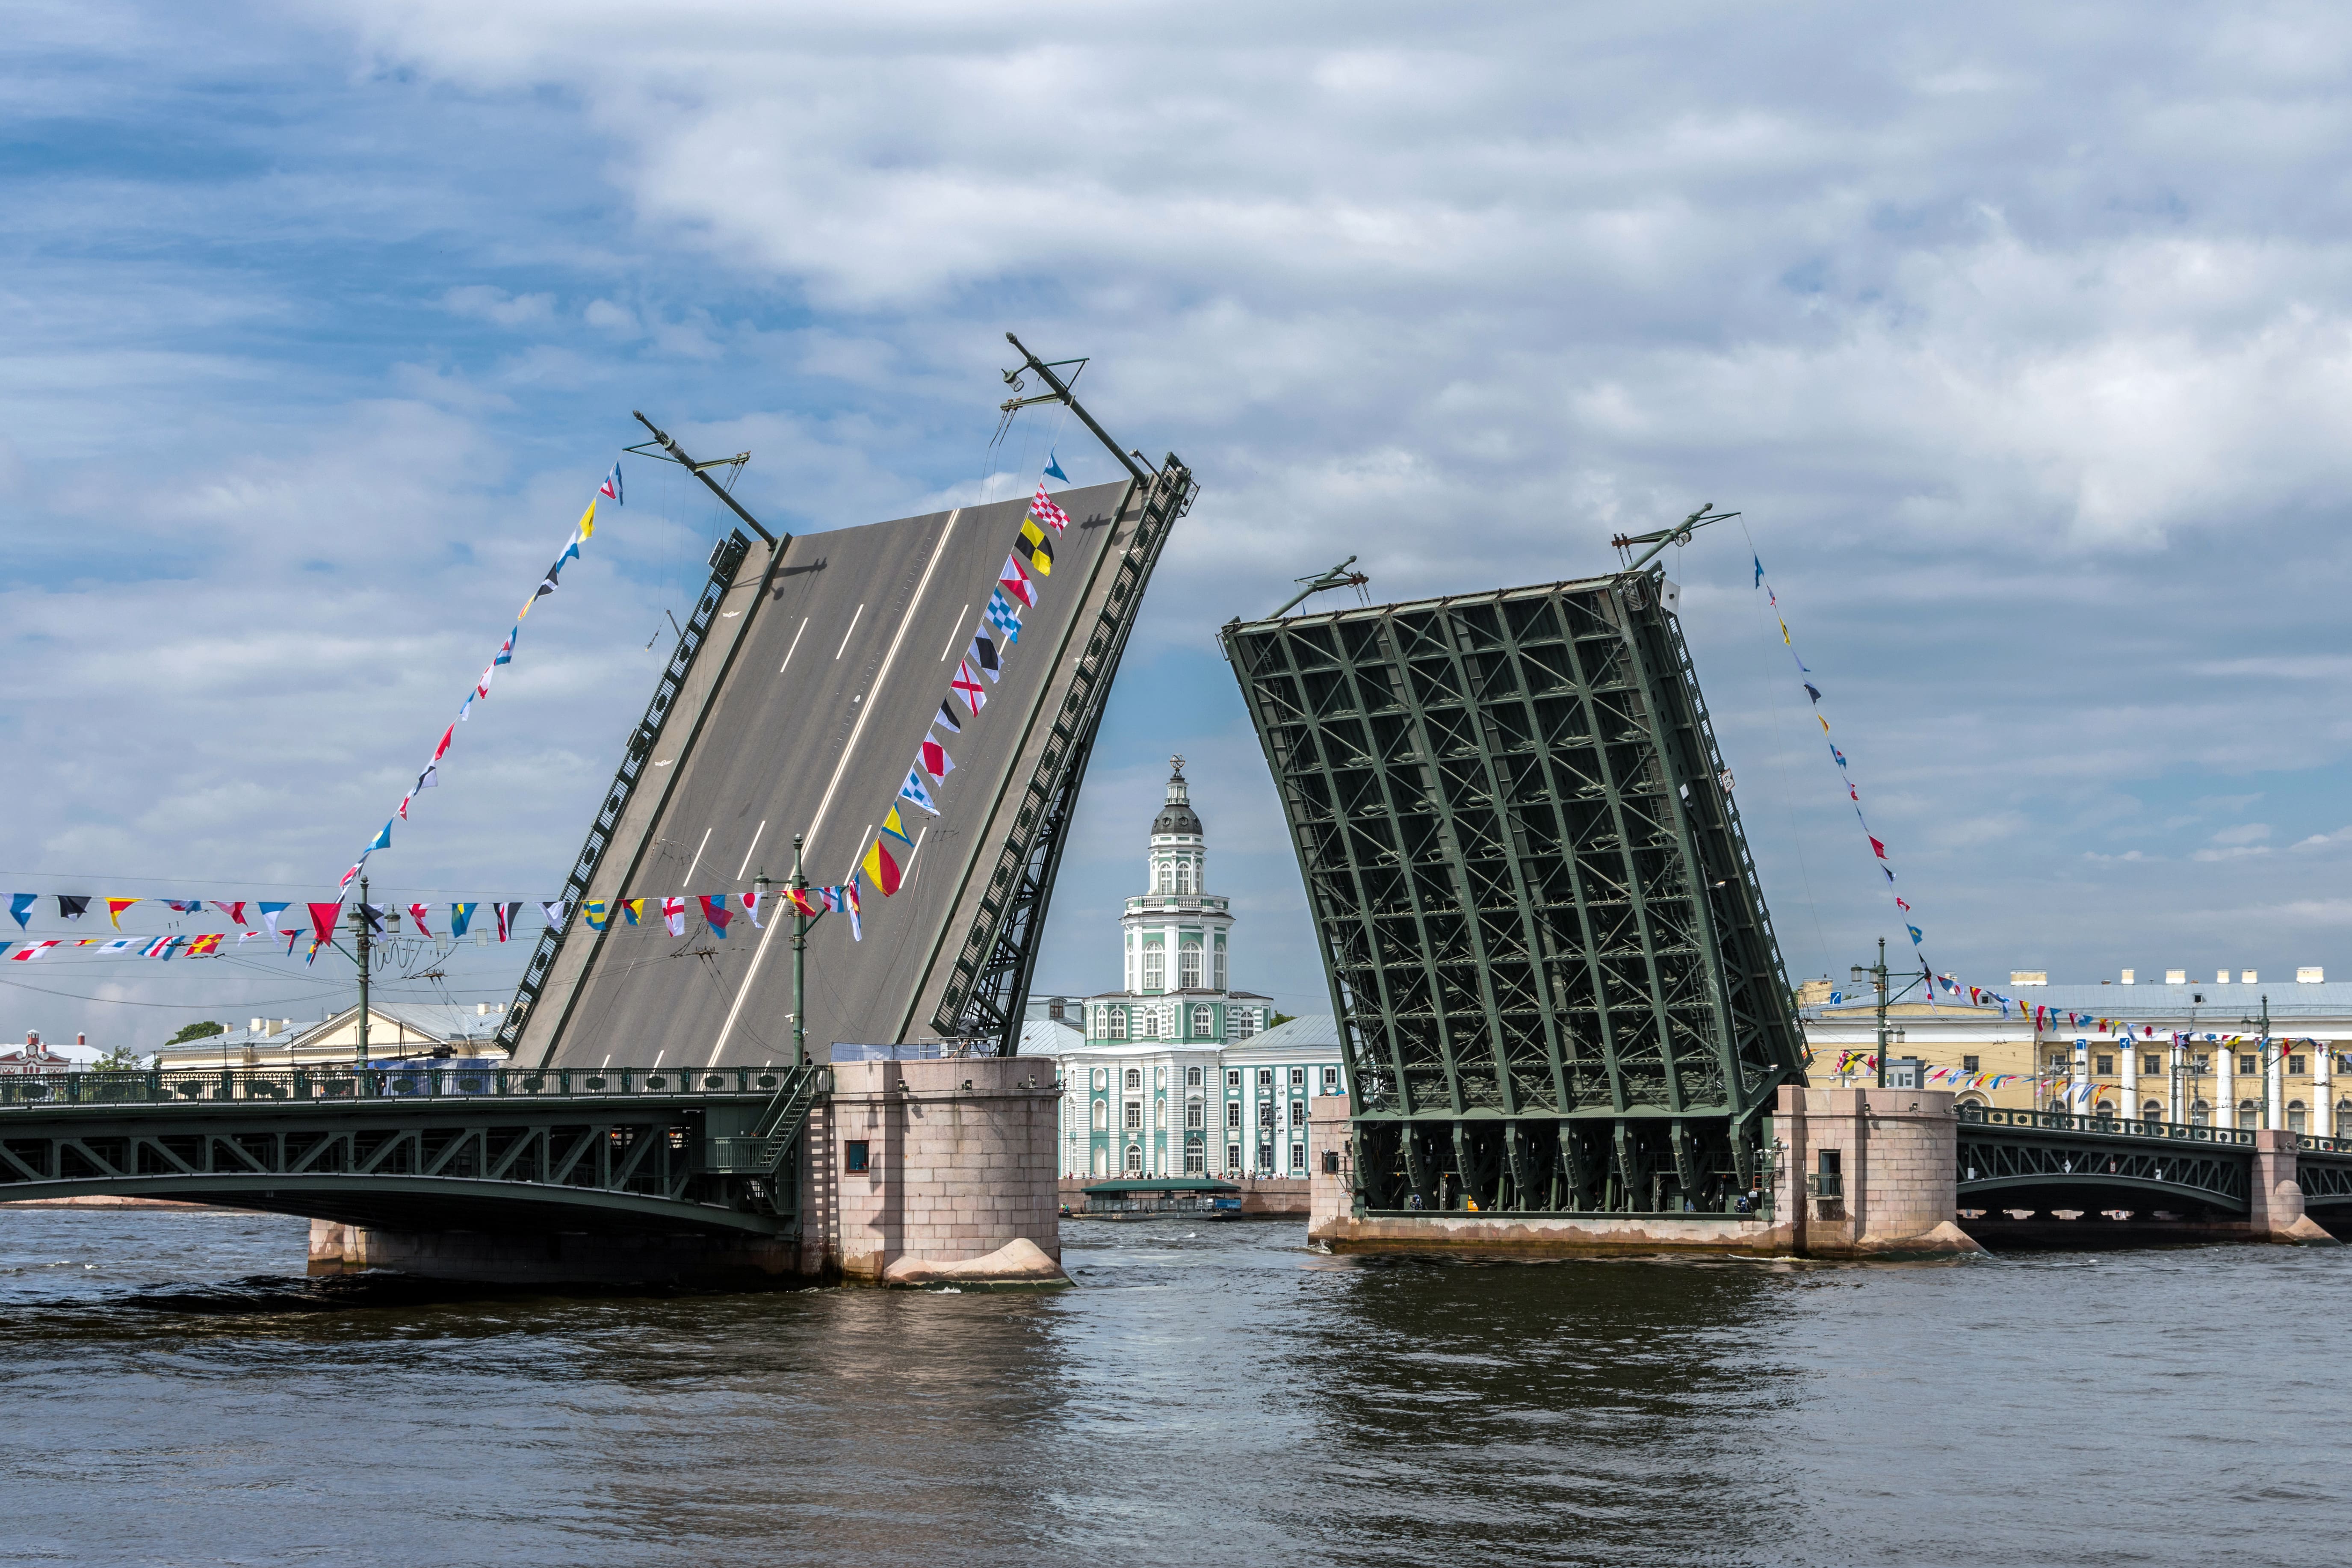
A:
(1880, 850)
(966, 684)
(417, 912)
(1016, 583)
(443, 749)
(322, 921)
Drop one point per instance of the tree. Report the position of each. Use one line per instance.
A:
(122, 1058)
(196, 1032)
(1273, 1019)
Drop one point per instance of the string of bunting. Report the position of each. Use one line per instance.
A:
(429, 778)
(885, 862)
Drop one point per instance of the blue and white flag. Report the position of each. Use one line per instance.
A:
(1053, 467)
(913, 790)
(1004, 617)
(611, 485)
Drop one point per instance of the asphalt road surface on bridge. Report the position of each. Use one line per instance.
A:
(825, 669)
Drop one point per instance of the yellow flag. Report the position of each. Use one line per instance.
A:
(1825, 724)
(588, 521)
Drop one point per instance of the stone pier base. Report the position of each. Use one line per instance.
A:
(1893, 1196)
(708, 1260)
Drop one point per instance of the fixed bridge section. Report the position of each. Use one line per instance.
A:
(501, 1151)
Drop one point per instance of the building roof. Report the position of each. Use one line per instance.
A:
(1307, 1032)
(423, 1023)
(1159, 1185)
(2222, 1005)
(1049, 1037)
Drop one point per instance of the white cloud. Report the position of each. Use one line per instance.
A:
(483, 302)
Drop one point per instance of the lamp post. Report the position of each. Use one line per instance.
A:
(1876, 974)
(360, 946)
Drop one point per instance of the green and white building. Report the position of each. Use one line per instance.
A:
(1176, 1073)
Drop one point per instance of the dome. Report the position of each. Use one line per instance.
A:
(1177, 816)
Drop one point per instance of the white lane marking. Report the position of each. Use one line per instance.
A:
(952, 636)
(659, 1054)
(747, 854)
(889, 659)
(918, 850)
(795, 649)
(698, 857)
(844, 637)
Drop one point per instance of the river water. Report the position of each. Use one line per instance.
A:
(173, 1392)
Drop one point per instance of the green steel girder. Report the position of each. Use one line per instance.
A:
(506, 1151)
(2023, 1165)
(2325, 1180)
(1531, 893)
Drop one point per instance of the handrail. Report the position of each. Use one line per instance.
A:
(2317, 1145)
(181, 1086)
(2109, 1126)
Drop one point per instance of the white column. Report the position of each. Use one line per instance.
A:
(2275, 1072)
(2323, 1092)
(2178, 1099)
(2129, 1093)
(2225, 1091)
(2078, 1098)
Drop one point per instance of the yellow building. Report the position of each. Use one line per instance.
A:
(2178, 1050)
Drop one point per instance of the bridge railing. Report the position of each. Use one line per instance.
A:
(2307, 1144)
(2112, 1126)
(181, 1086)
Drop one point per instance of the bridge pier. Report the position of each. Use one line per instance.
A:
(2277, 1213)
(1867, 1172)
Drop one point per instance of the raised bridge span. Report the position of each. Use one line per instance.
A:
(653, 1087)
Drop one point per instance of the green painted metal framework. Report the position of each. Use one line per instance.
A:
(2038, 1158)
(499, 1150)
(2323, 1169)
(1557, 983)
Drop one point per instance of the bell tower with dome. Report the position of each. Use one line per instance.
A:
(1174, 938)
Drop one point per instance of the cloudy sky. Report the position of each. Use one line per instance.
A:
(2018, 336)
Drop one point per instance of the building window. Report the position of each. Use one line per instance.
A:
(1245, 1018)
(1234, 1078)
(1192, 1162)
(1299, 1158)
(1102, 1076)
(1195, 1114)
(1134, 1113)
(1135, 1159)
(1155, 969)
(2295, 1066)
(1184, 875)
(1297, 1077)
(1147, 1023)
(2250, 1065)
(1233, 1114)
(1330, 1081)
(1204, 1020)
(2150, 1066)
(1188, 966)
(2204, 1062)
(1102, 1114)
(1265, 1078)
(2295, 1116)
(1970, 1064)
(2106, 1066)
(2201, 1114)
(854, 1155)
(2249, 1115)
(2058, 1060)
(1192, 1078)
(1266, 1113)
(1115, 1023)
(1232, 1156)
(1135, 1078)
(2152, 1112)
(1219, 982)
